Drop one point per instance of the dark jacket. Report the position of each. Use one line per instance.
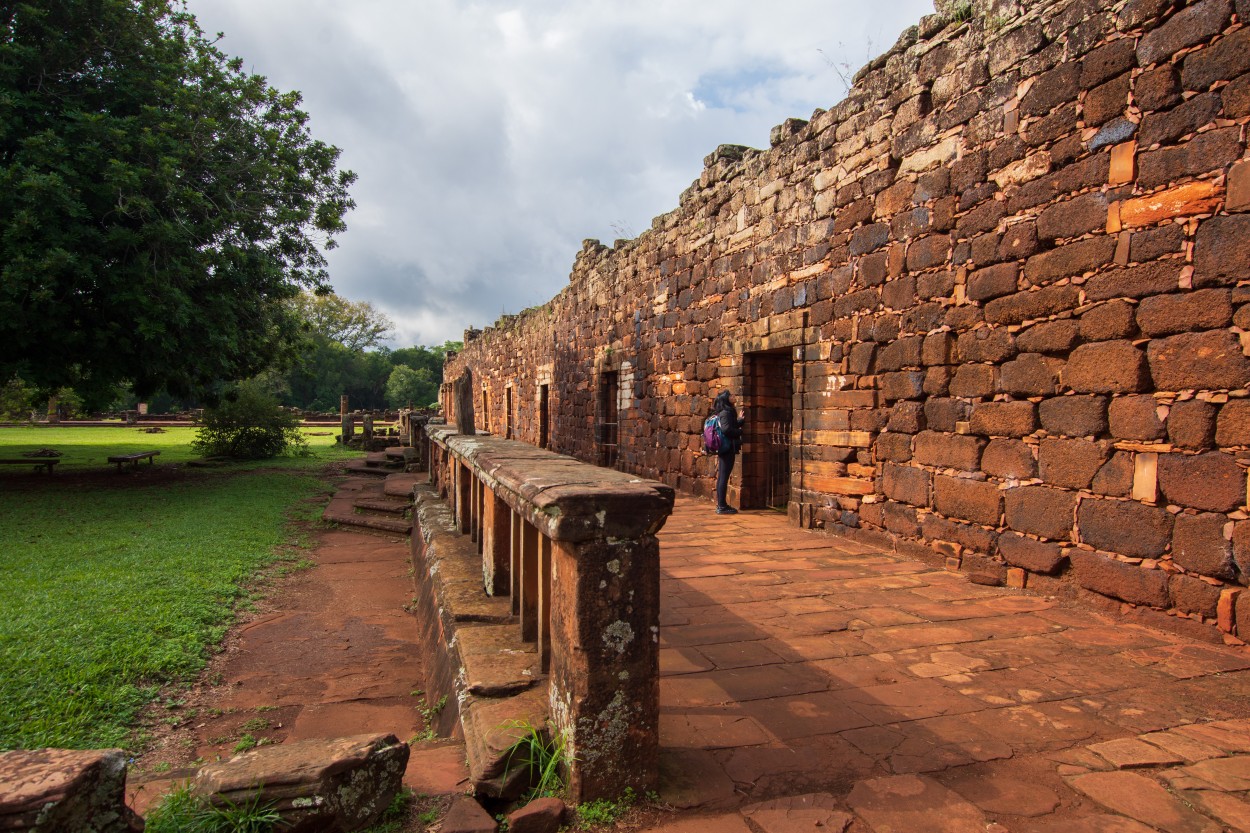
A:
(730, 424)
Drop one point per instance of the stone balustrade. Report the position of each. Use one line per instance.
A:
(574, 547)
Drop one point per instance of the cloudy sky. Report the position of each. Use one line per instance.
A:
(492, 137)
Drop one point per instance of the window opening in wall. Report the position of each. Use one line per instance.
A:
(543, 399)
(609, 391)
(509, 416)
(485, 410)
(769, 408)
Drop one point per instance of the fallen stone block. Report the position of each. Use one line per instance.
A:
(65, 789)
(323, 785)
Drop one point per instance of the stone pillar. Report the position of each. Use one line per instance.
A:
(496, 544)
(605, 683)
(464, 404)
(54, 409)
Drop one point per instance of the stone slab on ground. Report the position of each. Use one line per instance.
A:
(65, 789)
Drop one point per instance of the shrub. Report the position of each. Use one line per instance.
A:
(249, 424)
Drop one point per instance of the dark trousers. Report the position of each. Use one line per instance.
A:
(724, 467)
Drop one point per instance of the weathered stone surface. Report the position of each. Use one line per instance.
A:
(1022, 306)
(467, 816)
(1143, 799)
(907, 484)
(1199, 545)
(1204, 309)
(1071, 218)
(1193, 595)
(1004, 419)
(971, 500)
(973, 537)
(909, 802)
(1222, 250)
(1009, 459)
(1071, 463)
(948, 450)
(1107, 367)
(1030, 374)
(1034, 556)
(974, 381)
(1211, 481)
(1212, 149)
(542, 815)
(1074, 416)
(339, 784)
(1134, 281)
(1191, 424)
(1232, 427)
(942, 414)
(993, 281)
(1221, 61)
(1114, 319)
(1134, 418)
(1130, 583)
(893, 447)
(1048, 337)
(1201, 361)
(1115, 478)
(986, 345)
(1041, 511)
(1125, 527)
(64, 789)
(818, 811)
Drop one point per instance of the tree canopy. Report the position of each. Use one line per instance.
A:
(357, 325)
(159, 207)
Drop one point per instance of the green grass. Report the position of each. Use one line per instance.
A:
(112, 590)
(85, 448)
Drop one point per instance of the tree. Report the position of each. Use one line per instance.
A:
(406, 386)
(357, 325)
(248, 424)
(159, 206)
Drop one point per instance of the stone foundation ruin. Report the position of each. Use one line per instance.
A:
(992, 309)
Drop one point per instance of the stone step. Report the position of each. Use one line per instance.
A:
(380, 458)
(437, 767)
(398, 526)
(382, 505)
(400, 452)
(401, 485)
(362, 467)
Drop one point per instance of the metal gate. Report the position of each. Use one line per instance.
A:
(777, 454)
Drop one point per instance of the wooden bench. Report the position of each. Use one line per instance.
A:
(45, 463)
(133, 459)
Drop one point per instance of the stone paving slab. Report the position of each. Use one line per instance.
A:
(809, 682)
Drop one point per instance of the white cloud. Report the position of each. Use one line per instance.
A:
(492, 137)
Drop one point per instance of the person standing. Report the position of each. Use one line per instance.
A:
(731, 429)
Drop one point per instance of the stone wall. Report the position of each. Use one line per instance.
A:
(1009, 277)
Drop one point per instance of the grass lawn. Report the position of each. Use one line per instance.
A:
(115, 584)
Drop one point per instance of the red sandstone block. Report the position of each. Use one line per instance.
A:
(1191, 424)
(1226, 609)
(1239, 184)
(1125, 527)
(907, 484)
(1211, 481)
(1030, 375)
(1199, 546)
(1203, 153)
(948, 450)
(1041, 303)
(1198, 361)
(1233, 424)
(1135, 418)
(1123, 164)
(1035, 556)
(1041, 511)
(1118, 580)
(1017, 578)
(1106, 367)
(1004, 419)
(1071, 464)
(1074, 416)
(1104, 322)
(971, 500)
(1193, 25)
(1201, 197)
(1008, 459)
(1222, 250)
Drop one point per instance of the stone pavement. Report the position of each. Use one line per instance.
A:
(807, 679)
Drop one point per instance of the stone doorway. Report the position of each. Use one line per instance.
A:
(607, 433)
(769, 409)
(543, 424)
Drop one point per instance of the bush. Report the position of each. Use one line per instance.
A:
(249, 425)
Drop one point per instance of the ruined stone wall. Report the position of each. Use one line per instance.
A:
(1010, 276)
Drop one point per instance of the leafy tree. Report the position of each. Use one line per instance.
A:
(407, 386)
(17, 400)
(356, 325)
(159, 206)
(248, 424)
